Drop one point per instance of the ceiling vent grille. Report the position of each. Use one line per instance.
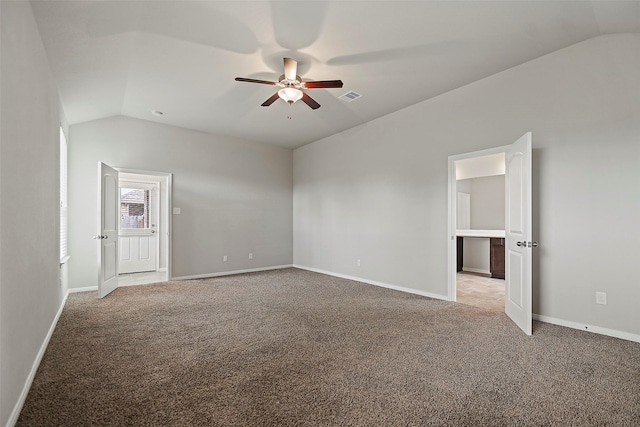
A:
(350, 96)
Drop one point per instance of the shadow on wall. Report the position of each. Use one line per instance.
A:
(536, 158)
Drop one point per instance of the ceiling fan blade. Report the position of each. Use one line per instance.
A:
(309, 101)
(264, 82)
(323, 84)
(270, 100)
(290, 68)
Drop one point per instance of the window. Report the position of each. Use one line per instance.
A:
(64, 254)
(134, 206)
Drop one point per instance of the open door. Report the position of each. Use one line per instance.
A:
(518, 233)
(108, 204)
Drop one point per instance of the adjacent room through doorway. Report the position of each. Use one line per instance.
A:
(480, 188)
(143, 229)
(507, 236)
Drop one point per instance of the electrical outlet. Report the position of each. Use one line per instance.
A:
(601, 298)
(250, 255)
(224, 258)
(358, 263)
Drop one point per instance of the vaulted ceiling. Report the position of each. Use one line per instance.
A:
(181, 57)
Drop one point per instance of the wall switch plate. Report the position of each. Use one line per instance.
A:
(601, 298)
(224, 258)
(250, 255)
(358, 263)
(176, 211)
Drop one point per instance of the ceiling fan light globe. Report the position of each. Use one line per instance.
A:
(290, 94)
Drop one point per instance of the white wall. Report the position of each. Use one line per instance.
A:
(476, 255)
(487, 213)
(487, 201)
(378, 192)
(235, 196)
(30, 291)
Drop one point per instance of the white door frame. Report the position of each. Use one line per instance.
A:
(156, 216)
(166, 212)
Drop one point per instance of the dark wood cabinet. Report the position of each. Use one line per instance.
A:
(460, 251)
(496, 249)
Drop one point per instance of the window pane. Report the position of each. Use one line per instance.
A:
(134, 208)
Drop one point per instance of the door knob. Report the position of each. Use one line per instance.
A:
(98, 237)
(153, 231)
(527, 244)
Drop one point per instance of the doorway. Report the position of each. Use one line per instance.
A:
(516, 235)
(144, 226)
(480, 188)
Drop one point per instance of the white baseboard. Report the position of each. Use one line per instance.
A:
(560, 322)
(162, 269)
(85, 289)
(229, 273)
(476, 270)
(589, 328)
(373, 282)
(13, 417)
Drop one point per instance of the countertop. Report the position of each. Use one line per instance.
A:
(480, 233)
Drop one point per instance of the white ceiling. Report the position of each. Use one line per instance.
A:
(477, 167)
(181, 57)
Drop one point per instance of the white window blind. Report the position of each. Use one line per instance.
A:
(64, 253)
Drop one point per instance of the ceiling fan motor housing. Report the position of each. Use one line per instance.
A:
(284, 82)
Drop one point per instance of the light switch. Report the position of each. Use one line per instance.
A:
(176, 211)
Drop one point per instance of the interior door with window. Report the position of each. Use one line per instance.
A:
(518, 233)
(139, 210)
(108, 229)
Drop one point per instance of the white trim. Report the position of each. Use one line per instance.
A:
(168, 212)
(162, 269)
(13, 417)
(476, 270)
(373, 282)
(229, 273)
(85, 289)
(141, 171)
(588, 328)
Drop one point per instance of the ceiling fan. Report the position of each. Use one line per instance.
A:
(292, 86)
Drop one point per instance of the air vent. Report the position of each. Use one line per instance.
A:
(350, 96)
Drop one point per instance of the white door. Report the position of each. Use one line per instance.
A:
(518, 233)
(139, 215)
(108, 229)
(464, 211)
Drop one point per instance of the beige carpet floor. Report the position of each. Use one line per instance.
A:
(295, 348)
(480, 291)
